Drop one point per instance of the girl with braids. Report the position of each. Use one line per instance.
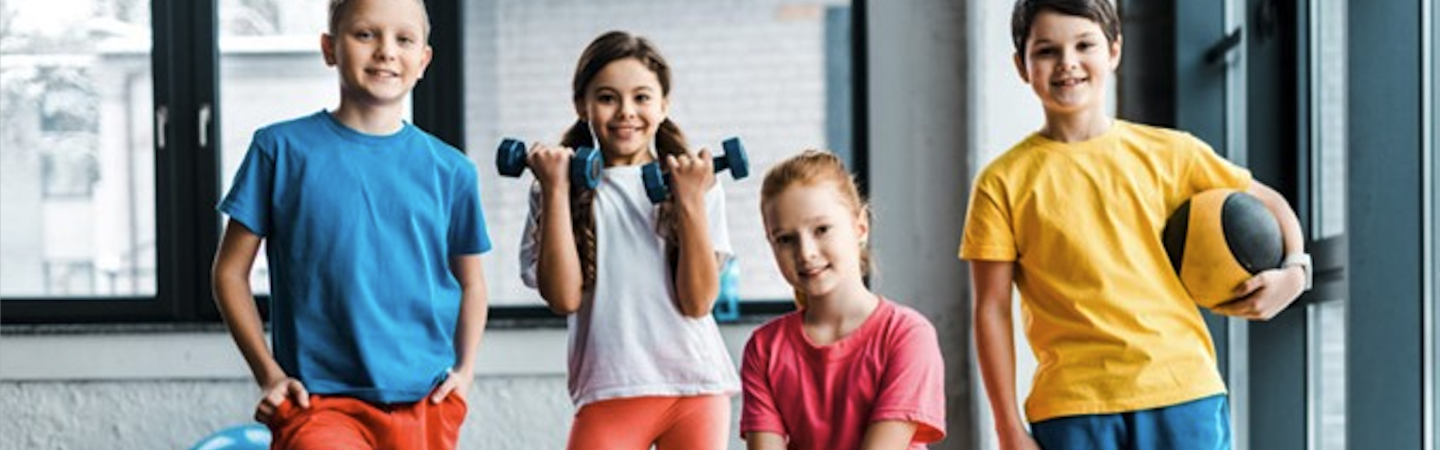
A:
(647, 365)
(850, 369)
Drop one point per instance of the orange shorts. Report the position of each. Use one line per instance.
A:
(334, 422)
(668, 423)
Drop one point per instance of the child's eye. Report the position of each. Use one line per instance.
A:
(785, 239)
(823, 229)
(642, 98)
(364, 35)
(605, 98)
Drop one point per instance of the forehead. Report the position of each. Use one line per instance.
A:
(626, 74)
(806, 202)
(1052, 25)
(394, 12)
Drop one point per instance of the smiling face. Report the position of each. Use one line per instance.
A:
(379, 49)
(816, 236)
(1068, 62)
(625, 104)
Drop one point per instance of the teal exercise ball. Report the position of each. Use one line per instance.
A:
(243, 437)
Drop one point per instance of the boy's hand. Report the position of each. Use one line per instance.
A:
(458, 381)
(276, 394)
(1018, 440)
(691, 175)
(550, 164)
(1263, 296)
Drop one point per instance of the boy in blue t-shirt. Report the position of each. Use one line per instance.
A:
(373, 230)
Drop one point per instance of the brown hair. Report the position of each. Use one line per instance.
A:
(1022, 18)
(812, 168)
(669, 140)
(340, 9)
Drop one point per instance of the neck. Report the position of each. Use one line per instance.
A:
(1076, 126)
(843, 308)
(370, 119)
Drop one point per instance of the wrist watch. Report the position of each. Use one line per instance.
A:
(1302, 260)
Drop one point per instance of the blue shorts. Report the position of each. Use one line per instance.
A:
(1202, 424)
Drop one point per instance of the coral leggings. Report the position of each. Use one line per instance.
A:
(668, 423)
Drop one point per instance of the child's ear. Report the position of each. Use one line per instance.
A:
(327, 48)
(425, 61)
(580, 110)
(1020, 67)
(862, 227)
(1115, 51)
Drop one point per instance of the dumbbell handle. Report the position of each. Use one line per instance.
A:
(735, 159)
(585, 164)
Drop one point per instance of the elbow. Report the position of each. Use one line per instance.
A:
(697, 306)
(694, 312)
(563, 305)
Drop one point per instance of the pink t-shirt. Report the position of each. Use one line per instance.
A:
(825, 397)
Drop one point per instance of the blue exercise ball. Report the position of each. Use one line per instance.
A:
(243, 437)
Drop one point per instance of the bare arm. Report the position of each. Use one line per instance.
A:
(230, 277)
(1268, 293)
(764, 440)
(474, 312)
(888, 434)
(995, 345)
(697, 274)
(558, 272)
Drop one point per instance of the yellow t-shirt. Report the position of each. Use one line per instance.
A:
(1112, 328)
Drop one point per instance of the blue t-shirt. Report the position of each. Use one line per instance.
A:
(359, 230)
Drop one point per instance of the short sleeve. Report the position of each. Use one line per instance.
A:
(988, 235)
(1208, 170)
(248, 201)
(719, 221)
(758, 412)
(468, 234)
(912, 388)
(530, 240)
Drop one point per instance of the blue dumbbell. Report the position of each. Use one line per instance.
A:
(584, 166)
(657, 185)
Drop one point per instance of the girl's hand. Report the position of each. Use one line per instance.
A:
(550, 164)
(458, 382)
(276, 394)
(1266, 294)
(692, 176)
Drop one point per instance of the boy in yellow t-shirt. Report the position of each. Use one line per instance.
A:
(1072, 216)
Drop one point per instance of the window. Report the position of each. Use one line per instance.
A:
(1326, 316)
(124, 122)
(76, 150)
(774, 72)
(268, 49)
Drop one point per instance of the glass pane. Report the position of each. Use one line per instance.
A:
(1326, 318)
(1327, 374)
(270, 51)
(1328, 123)
(774, 72)
(76, 149)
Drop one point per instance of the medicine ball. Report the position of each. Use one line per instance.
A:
(1218, 239)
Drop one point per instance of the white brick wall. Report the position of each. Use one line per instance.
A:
(753, 69)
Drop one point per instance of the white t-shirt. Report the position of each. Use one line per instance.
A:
(629, 338)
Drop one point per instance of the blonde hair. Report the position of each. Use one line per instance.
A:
(340, 9)
(669, 140)
(812, 168)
